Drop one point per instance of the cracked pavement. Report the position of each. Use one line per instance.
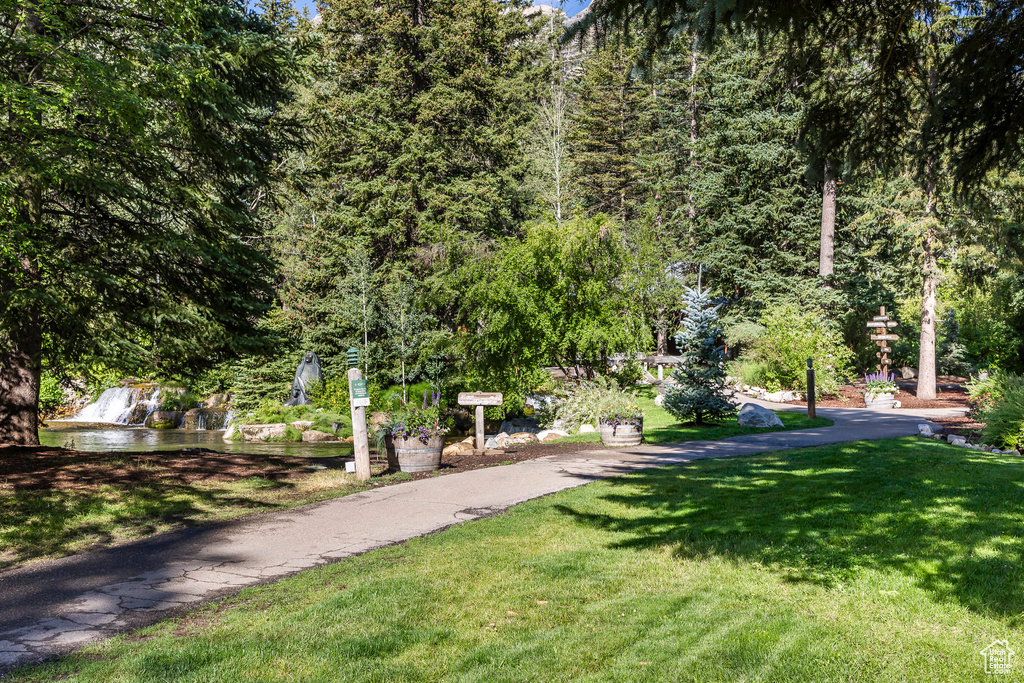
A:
(54, 607)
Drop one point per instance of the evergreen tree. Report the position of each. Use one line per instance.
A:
(699, 394)
(134, 140)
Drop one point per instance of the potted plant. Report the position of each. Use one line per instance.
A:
(418, 434)
(620, 420)
(880, 390)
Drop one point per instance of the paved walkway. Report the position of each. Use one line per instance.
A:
(54, 607)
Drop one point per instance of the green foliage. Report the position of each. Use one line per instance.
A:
(270, 412)
(51, 395)
(751, 372)
(177, 398)
(564, 295)
(951, 355)
(589, 402)
(791, 337)
(629, 374)
(1004, 420)
(699, 394)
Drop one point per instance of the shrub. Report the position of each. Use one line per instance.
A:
(1004, 421)
(51, 395)
(631, 372)
(588, 402)
(699, 394)
(791, 337)
(750, 372)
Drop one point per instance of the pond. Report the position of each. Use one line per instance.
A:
(106, 438)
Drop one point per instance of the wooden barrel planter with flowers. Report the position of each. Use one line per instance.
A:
(419, 455)
(879, 401)
(621, 434)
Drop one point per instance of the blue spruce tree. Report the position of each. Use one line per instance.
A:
(699, 395)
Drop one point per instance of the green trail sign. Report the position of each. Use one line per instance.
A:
(360, 395)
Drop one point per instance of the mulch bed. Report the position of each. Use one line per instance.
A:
(950, 394)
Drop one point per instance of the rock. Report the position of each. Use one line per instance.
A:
(230, 434)
(520, 424)
(216, 401)
(523, 437)
(995, 451)
(315, 436)
(925, 429)
(302, 425)
(753, 415)
(897, 404)
(493, 441)
(457, 447)
(659, 400)
(551, 435)
(262, 432)
(378, 418)
(908, 372)
(779, 397)
(587, 429)
(956, 440)
(1012, 451)
(164, 419)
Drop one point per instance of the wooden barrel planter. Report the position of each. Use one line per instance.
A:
(879, 401)
(415, 455)
(622, 435)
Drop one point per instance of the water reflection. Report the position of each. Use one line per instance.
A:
(142, 439)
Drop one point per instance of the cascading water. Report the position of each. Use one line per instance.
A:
(119, 405)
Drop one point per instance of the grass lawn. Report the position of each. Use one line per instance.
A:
(894, 560)
(45, 522)
(660, 427)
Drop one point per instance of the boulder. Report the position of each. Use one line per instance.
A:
(519, 425)
(551, 435)
(956, 440)
(164, 419)
(457, 447)
(315, 436)
(778, 397)
(752, 415)
(493, 441)
(518, 438)
(659, 400)
(302, 425)
(216, 401)
(262, 432)
(907, 372)
(587, 429)
(925, 429)
(230, 434)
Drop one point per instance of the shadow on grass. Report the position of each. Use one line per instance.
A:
(49, 516)
(949, 518)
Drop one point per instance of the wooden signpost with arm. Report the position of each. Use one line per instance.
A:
(878, 327)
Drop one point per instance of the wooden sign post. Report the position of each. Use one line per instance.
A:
(480, 399)
(359, 400)
(881, 324)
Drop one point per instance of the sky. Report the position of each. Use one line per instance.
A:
(570, 7)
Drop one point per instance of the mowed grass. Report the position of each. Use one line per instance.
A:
(895, 560)
(660, 427)
(46, 523)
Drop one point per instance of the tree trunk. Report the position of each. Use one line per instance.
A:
(929, 264)
(826, 254)
(19, 384)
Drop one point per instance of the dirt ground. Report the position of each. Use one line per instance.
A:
(38, 468)
(950, 390)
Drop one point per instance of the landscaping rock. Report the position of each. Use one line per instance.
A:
(164, 419)
(457, 447)
(518, 438)
(551, 435)
(752, 415)
(316, 436)
(262, 432)
(519, 425)
(230, 434)
(957, 440)
(302, 425)
(493, 441)
(659, 400)
(925, 429)
(778, 397)
(587, 429)
(908, 372)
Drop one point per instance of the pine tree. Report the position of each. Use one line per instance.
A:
(699, 394)
(133, 140)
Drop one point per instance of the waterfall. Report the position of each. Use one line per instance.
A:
(228, 418)
(114, 406)
(119, 406)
